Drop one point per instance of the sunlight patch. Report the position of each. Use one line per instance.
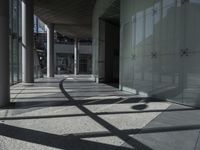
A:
(110, 141)
(70, 78)
(103, 97)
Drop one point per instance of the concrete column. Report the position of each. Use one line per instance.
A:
(50, 50)
(76, 57)
(4, 53)
(27, 42)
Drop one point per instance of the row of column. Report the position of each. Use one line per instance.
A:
(51, 53)
(27, 49)
(27, 44)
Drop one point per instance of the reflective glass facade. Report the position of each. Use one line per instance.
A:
(160, 49)
(15, 41)
(15, 37)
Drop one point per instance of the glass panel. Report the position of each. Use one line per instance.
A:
(126, 56)
(191, 80)
(15, 34)
(15, 62)
(191, 70)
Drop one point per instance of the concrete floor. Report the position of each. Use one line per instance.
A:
(78, 114)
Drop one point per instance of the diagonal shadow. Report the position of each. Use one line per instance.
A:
(54, 102)
(140, 131)
(126, 138)
(97, 113)
(69, 142)
(75, 142)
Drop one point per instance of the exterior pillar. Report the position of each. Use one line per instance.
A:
(27, 42)
(76, 57)
(50, 50)
(4, 54)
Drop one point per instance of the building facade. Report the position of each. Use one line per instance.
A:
(159, 47)
(145, 47)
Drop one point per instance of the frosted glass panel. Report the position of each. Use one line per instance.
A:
(193, 26)
(191, 88)
(162, 55)
(167, 71)
(127, 73)
(126, 56)
(126, 47)
(139, 28)
(143, 74)
(168, 26)
(149, 31)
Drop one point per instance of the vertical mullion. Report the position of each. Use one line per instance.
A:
(17, 54)
(11, 40)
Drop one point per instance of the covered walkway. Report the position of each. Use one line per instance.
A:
(75, 113)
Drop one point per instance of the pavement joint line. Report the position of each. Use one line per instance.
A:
(59, 110)
(111, 105)
(93, 101)
(12, 100)
(120, 134)
(159, 113)
(40, 105)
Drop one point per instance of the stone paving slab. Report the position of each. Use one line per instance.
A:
(97, 116)
(177, 128)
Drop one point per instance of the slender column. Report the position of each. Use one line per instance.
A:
(76, 57)
(27, 42)
(50, 50)
(4, 53)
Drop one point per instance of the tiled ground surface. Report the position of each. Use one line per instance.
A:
(78, 114)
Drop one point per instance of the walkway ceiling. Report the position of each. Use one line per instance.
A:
(112, 14)
(72, 18)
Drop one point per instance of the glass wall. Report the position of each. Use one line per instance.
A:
(16, 45)
(15, 41)
(160, 49)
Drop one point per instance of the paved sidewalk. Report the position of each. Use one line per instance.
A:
(75, 113)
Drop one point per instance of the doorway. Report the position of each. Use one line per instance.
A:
(109, 45)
